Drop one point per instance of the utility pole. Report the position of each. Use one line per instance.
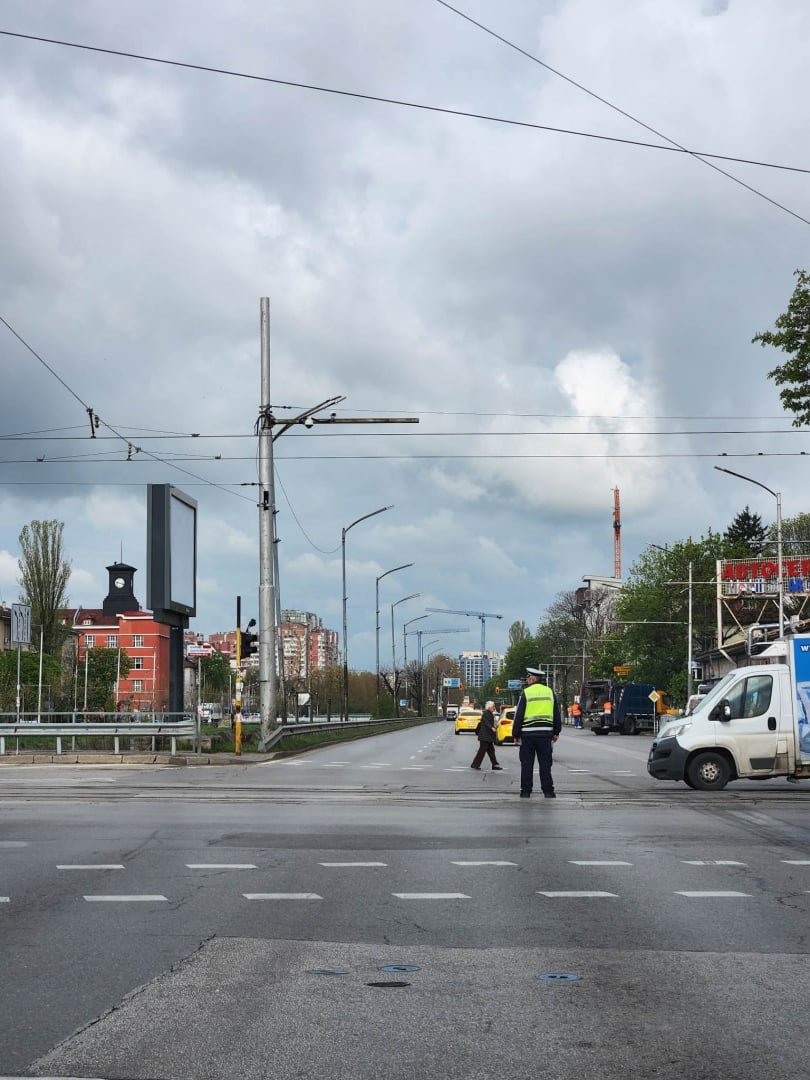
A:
(268, 708)
(270, 667)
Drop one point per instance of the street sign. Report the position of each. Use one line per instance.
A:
(654, 696)
(20, 624)
(202, 648)
(621, 669)
(452, 684)
(514, 684)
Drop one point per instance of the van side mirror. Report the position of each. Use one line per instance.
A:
(721, 711)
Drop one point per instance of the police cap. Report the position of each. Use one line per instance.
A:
(538, 674)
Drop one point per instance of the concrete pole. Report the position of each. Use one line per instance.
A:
(267, 520)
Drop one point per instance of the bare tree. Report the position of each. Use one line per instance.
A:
(593, 609)
(44, 576)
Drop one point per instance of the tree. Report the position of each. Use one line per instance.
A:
(745, 534)
(216, 674)
(103, 668)
(518, 631)
(793, 337)
(653, 614)
(44, 576)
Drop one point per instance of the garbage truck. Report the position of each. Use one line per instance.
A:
(754, 724)
(626, 708)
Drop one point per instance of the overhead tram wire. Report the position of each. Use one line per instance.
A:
(674, 144)
(674, 147)
(96, 421)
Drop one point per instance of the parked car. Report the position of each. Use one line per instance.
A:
(467, 722)
(503, 732)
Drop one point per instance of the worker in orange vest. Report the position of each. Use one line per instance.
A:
(576, 712)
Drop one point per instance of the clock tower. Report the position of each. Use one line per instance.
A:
(120, 595)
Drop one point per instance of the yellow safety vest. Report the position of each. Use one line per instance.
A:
(539, 714)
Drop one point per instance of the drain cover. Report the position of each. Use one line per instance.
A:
(327, 971)
(389, 984)
(399, 967)
(558, 976)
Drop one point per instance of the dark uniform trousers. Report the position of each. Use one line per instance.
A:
(536, 746)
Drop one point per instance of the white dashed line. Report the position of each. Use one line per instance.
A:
(599, 862)
(796, 862)
(431, 896)
(458, 862)
(353, 864)
(5, 899)
(574, 894)
(123, 899)
(281, 896)
(712, 862)
(90, 866)
(698, 895)
(13, 843)
(221, 866)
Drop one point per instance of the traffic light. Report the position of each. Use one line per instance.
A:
(497, 689)
(250, 644)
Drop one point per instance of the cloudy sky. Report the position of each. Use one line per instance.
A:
(564, 314)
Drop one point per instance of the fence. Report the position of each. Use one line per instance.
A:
(157, 727)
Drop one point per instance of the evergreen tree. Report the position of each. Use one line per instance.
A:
(745, 535)
(44, 576)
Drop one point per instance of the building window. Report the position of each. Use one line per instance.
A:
(137, 663)
(89, 641)
(112, 641)
(137, 686)
(137, 641)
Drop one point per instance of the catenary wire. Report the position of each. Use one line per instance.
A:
(209, 69)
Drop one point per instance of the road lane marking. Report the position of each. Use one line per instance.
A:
(796, 862)
(718, 893)
(482, 862)
(5, 899)
(123, 898)
(353, 864)
(221, 866)
(90, 866)
(13, 843)
(599, 862)
(575, 894)
(712, 862)
(430, 896)
(281, 896)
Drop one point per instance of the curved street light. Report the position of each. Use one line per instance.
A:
(365, 517)
(405, 626)
(402, 600)
(377, 597)
(778, 496)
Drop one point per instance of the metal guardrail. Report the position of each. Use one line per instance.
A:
(31, 729)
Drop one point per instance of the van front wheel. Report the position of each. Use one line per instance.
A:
(708, 772)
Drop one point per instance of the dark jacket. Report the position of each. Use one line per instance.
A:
(487, 727)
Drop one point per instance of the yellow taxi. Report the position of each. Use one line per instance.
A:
(467, 722)
(503, 732)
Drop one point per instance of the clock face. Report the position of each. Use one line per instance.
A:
(119, 583)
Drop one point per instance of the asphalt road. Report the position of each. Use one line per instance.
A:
(378, 909)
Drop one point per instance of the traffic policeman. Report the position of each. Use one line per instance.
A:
(536, 727)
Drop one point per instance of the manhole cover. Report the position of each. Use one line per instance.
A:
(399, 967)
(558, 976)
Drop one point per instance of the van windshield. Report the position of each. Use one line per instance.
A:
(717, 692)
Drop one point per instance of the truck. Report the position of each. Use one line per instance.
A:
(754, 724)
(632, 710)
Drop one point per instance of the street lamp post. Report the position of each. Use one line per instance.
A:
(393, 648)
(365, 517)
(778, 496)
(405, 626)
(377, 597)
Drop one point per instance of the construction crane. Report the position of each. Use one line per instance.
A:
(617, 536)
(419, 634)
(482, 615)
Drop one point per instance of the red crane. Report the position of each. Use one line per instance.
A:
(617, 536)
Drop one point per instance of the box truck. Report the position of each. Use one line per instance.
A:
(752, 725)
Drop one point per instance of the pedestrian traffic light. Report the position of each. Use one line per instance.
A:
(250, 644)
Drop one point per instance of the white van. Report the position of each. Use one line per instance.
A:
(753, 724)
